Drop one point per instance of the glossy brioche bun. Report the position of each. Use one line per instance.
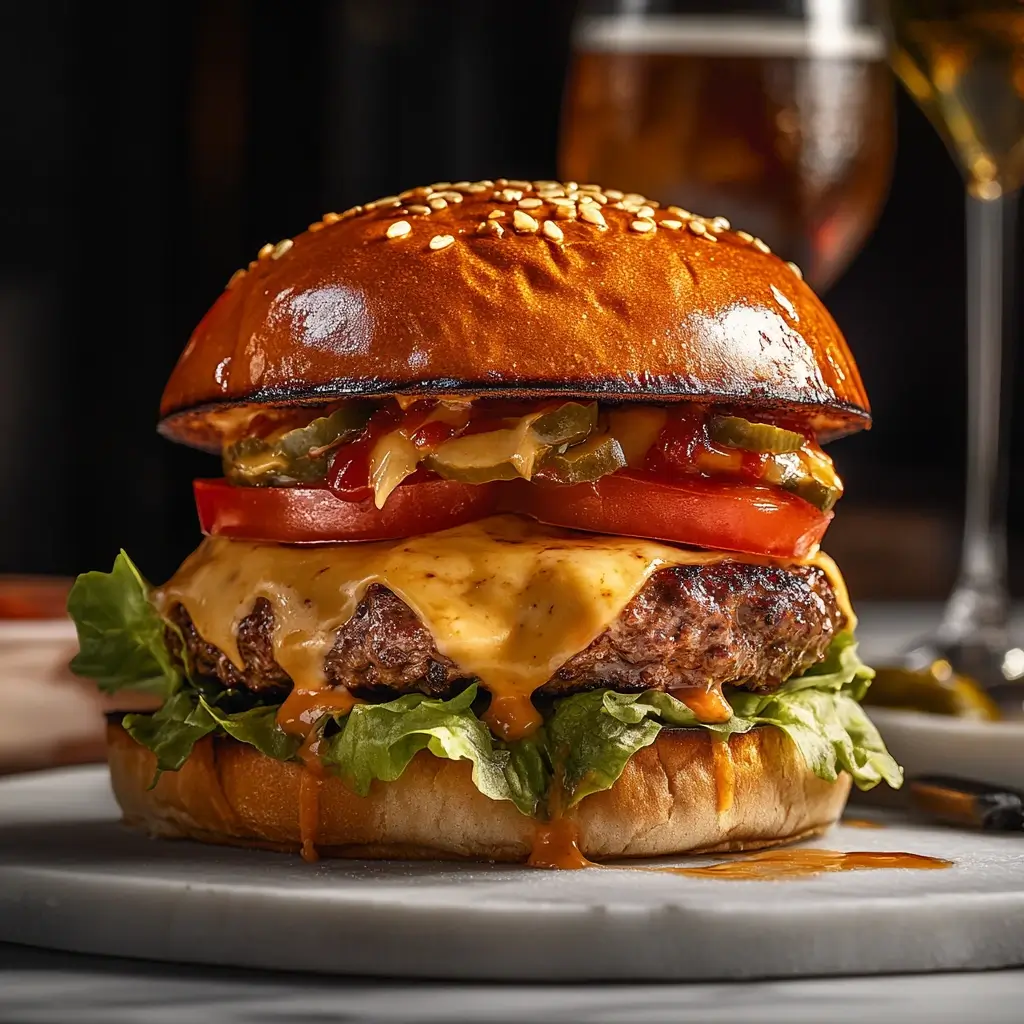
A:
(531, 303)
(665, 803)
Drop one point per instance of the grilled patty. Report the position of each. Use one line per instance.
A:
(726, 623)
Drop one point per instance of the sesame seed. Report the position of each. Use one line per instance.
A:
(553, 231)
(708, 237)
(510, 195)
(317, 225)
(266, 250)
(501, 182)
(680, 212)
(281, 248)
(566, 212)
(593, 215)
(409, 193)
(646, 211)
(439, 186)
(479, 187)
(484, 183)
(720, 224)
(745, 235)
(634, 197)
(519, 184)
(496, 215)
(386, 201)
(613, 193)
(399, 229)
(437, 203)
(598, 197)
(490, 227)
(523, 221)
(672, 225)
(352, 211)
(419, 208)
(796, 270)
(643, 225)
(589, 188)
(331, 218)
(253, 264)
(761, 246)
(441, 241)
(560, 201)
(546, 184)
(452, 197)
(551, 193)
(570, 186)
(530, 204)
(461, 185)
(236, 277)
(584, 200)
(698, 227)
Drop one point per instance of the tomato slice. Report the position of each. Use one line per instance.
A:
(310, 515)
(700, 513)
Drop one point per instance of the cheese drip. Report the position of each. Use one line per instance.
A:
(506, 599)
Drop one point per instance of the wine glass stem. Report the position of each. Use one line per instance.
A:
(977, 607)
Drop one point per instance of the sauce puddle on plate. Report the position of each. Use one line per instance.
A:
(800, 863)
(860, 823)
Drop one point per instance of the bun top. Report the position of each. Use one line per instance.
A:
(516, 288)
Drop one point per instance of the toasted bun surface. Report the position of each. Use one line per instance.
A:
(665, 803)
(530, 303)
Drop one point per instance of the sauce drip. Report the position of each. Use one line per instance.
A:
(556, 845)
(725, 774)
(302, 709)
(769, 865)
(512, 716)
(310, 781)
(708, 705)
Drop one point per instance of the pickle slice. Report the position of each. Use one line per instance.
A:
(937, 690)
(568, 424)
(585, 462)
(736, 432)
(494, 455)
(791, 472)
(297, 456)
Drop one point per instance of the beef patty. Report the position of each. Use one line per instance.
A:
(725, 623)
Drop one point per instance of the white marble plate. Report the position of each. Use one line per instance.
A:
(72, 878)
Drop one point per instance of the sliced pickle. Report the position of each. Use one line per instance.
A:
(636, 429)
(937, 690)
(296, 456)
(791, 472)
(736, 432)
(585, 462)
(568, 424)
(494, 455)
(393, 458)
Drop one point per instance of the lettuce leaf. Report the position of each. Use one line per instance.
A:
(593, 735)
(121, 636)
(172, 731)
(377, 741)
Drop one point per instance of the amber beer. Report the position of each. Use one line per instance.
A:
(782, 125)
(963, 62)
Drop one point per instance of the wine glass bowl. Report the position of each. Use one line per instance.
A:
(963, 63)
(783, 123)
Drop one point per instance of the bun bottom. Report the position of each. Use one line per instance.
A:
(666, 802)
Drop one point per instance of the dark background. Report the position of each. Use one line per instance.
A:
(147, 155)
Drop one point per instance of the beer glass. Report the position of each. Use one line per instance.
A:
(777, 115)
(963, 63)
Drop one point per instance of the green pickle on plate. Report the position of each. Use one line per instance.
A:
(936, 690)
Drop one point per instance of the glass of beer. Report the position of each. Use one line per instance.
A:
(963, 62)
(775, 114)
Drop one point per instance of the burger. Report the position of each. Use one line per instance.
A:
(515, 554)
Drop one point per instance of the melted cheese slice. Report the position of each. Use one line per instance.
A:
(507, 599)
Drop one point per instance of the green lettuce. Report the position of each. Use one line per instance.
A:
(585, 742)
(121, 637)
(377, 741)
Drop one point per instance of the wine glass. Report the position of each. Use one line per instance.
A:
(963, 63)
(781, 121)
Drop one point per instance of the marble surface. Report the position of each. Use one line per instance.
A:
(71, 877)
(40, 987)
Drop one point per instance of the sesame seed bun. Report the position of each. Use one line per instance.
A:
(664, 803)
(512, 288)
